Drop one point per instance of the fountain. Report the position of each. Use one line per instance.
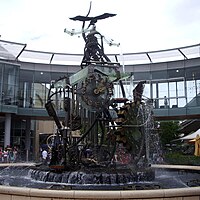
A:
(102, 140)
(103, 143)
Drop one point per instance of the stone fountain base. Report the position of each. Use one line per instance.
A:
(93, 176)
(187, 177)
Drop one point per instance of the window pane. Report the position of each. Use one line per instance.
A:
(198, 86)
(163, 90)
(191, 90)
(39, 95)
(146, 92)
(173, 103)
(172, 89)
(154, 91)
(181, 102)
(128, 91)
(180, 89)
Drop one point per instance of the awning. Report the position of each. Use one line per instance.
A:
(190, 136)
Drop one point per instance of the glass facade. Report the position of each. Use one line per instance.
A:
(169, 88)
(9, 83)
(34, 87)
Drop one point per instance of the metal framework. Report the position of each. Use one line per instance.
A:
(18, 52)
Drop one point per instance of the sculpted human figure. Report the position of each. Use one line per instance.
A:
(197, 146)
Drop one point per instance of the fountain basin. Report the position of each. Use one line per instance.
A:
(185, 193)
(94, 176)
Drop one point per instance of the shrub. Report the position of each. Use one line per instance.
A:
(179, 159)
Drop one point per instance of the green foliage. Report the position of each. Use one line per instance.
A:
(179, 159)
(168, 131)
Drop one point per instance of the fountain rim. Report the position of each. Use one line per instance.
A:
(101, 194)
(88, 194)
(159, 166)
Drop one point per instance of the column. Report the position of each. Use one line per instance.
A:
(7, 129)
(27, 138)
(36, 141)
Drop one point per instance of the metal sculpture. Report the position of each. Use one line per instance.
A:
(89, 135)
(93, 50)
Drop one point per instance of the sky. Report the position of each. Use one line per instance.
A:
(139, 26)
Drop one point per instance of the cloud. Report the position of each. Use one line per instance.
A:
(184, 13)
(139, 25)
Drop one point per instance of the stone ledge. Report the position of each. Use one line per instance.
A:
(164, 166)
(27, 193)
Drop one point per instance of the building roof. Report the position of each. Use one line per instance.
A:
(18, 51)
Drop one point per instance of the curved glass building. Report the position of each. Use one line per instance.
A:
(172, 82)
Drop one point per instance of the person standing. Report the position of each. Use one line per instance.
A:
(5, 155)
(15, 152)
(44, 156)
(1, 155)
(165, 102)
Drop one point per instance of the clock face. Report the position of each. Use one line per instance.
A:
(95, 91)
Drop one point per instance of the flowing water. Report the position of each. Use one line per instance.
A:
(23, 177)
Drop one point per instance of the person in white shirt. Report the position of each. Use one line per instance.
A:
(44, 156)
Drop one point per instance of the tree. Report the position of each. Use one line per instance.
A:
(168, 131)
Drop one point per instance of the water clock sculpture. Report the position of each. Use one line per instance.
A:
(99, 131)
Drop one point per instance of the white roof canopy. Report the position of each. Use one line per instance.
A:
(191, 136)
